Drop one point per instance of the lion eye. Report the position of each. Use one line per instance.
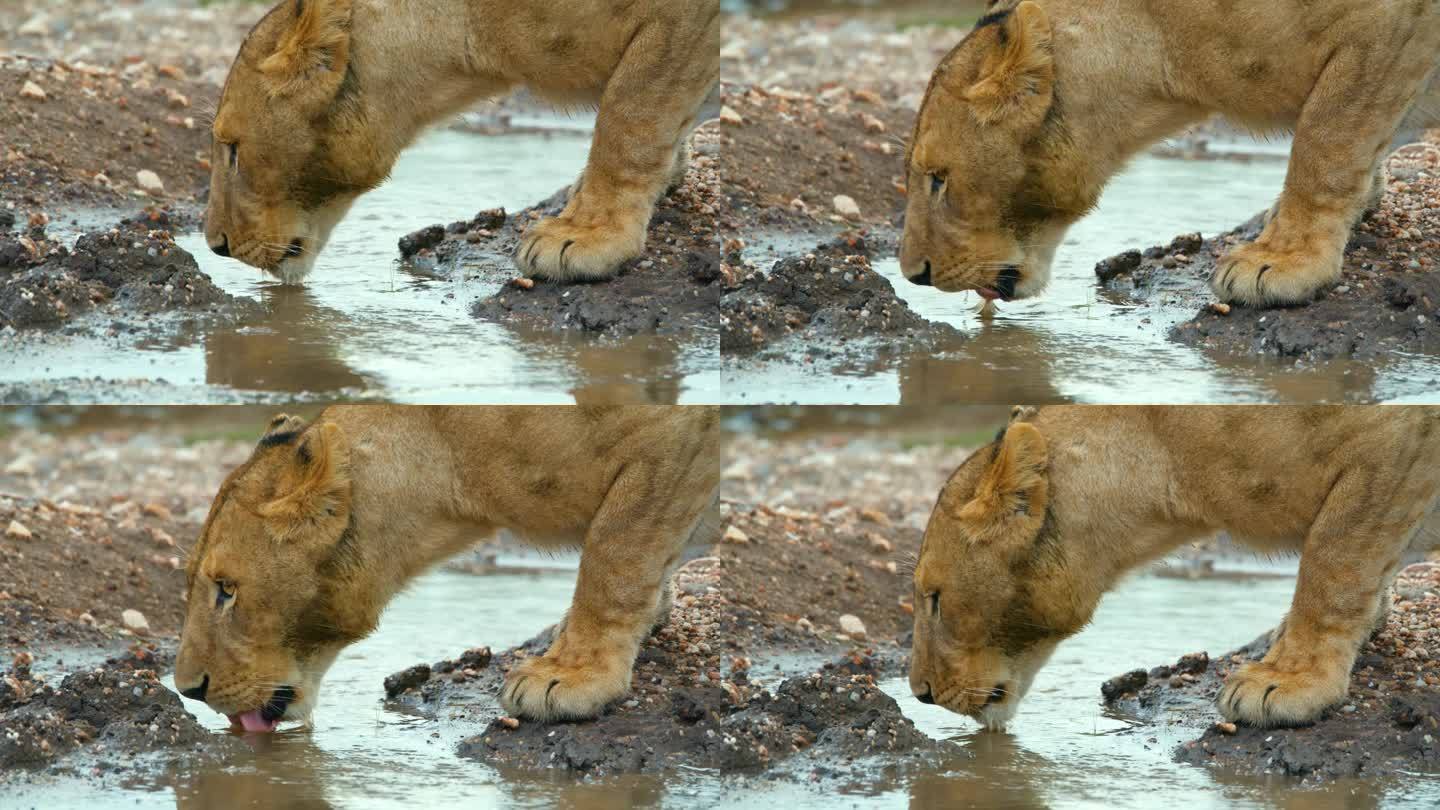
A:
(936, 183)
(224, 591)
(234, 155)
(934, 602)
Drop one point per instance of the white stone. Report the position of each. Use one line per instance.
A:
(149, 182)
(846, 206)
(31, 90)
(134, 621)
(17, 530)
(852, 626)
(37, 26)
(734, 535)
(729, 116)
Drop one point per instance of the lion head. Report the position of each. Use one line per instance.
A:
(291, 148)
(990, 179)
(993, 592)
(270, 602)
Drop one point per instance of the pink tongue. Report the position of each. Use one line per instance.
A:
(988, 294)
(252, 721)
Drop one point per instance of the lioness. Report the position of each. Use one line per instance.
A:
(308, 540)
(324, 95)
(1031, 530)
(1027, 118)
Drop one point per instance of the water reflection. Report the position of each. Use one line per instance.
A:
(1000, 773)
(302, 345)
(278, 777)
(288, 771)
(562, 791)
(295, 348)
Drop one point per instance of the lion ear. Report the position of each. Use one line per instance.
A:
(282, 425)
(313, 484)
(1017, 75)
(1013, 492)
(314, 53)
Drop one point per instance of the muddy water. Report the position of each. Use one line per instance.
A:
(1063, 751)
(1077, 342)
(365, 326)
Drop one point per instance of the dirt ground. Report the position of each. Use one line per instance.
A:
(1389, 723)
(97, 524)
(834, 291)
(1388, 299)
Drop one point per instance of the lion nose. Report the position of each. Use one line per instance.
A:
(223, 249)
(924, 278)
(927, 698)
(198, 692)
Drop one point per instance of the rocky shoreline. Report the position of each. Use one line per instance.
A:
(1387, 300)
(671, 290)
(120, 277)
(1389, 723)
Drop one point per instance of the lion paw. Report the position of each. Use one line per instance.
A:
(562, 250)
(1255, 276)
(545, 689)
(1259, 694)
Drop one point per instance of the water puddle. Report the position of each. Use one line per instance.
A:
(1078, 342)
(366, 327)
(1064, 750)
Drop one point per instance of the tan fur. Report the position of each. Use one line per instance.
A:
(327, 522)
(325, 94)
(1032, 530)
(1026, 120)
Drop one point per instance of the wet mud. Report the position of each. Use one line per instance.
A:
(128, 273)
(777, 636)
(104, 716)
(705, 694)
(1387, 301)
(671, 289)
(822, 302)
(1388, 723)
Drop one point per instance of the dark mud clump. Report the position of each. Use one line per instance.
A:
(1388, 723)
(828, 297)
(670, 289)
(831, 717)
(1387, 300)
(698, 699)
(133, 269)
(118, 709)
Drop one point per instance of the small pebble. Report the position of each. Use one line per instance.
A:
(846, 206)
(851, 626)
(135, 621)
